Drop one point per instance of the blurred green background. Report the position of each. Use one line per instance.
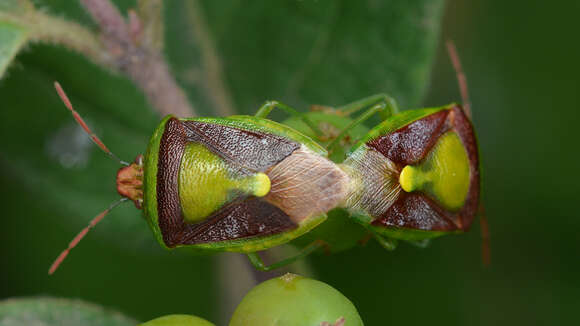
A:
(521, 61)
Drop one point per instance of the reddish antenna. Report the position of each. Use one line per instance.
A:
(81, 235)
(461, 80)
(82, 123)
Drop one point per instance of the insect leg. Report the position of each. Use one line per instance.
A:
(377, 108)
(387, 243)
(259, 263)
(421, 243)
(389, 104)
(267, 107)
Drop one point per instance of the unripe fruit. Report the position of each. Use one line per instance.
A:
(178, 320)
(292, 300)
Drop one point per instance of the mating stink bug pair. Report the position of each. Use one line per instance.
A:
(247, 184)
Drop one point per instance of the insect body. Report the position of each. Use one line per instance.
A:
(413, 177)
(247, 184)
(237, 184)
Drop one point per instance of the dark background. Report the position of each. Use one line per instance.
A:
(521, 61)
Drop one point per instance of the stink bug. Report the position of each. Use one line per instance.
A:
(414, 177)
(247, 184)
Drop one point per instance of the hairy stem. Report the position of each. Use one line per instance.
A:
(143, 63)
(132, 48)
(151, 13)
(45, 28)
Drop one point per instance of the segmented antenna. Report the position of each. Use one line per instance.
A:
(461, 80)
(82, 123)
(81, 235)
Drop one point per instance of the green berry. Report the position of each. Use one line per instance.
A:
(292, 300)
(178, 320)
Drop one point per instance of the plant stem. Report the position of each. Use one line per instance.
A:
(44, 28)
(143, 64)
(151, 13)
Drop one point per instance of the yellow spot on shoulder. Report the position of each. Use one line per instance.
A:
(407, 178)
(261, 185)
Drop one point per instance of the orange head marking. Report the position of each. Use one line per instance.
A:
(130, 181)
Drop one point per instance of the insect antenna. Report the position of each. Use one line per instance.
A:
(82, 123)
(81, 235)
(461, 80)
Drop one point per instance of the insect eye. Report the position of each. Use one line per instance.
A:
(443, 174)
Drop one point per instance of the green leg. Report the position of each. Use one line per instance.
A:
(259, 264)
(265, 110)
(382, 104)
(421, 243)
(389, 102)
(360, 119)
(387, 243)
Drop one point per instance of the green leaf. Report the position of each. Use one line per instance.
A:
(15, 6)
(239, 54)
(58, 312)
(301, 52)
(305, 52)
(12, 36)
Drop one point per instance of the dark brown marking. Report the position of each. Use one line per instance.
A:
(171, 150)
(246, 152)
(464, 129)
(410, 144)
(249, 150)
(248, 218)
(415, 210)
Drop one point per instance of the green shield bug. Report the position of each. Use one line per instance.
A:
(241, 183)
(246, 184)
(414, 177)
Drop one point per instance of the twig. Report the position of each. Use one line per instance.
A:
(45, 28)
(132, 48)
(234, 282)
(151, 12)
(142, 62)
